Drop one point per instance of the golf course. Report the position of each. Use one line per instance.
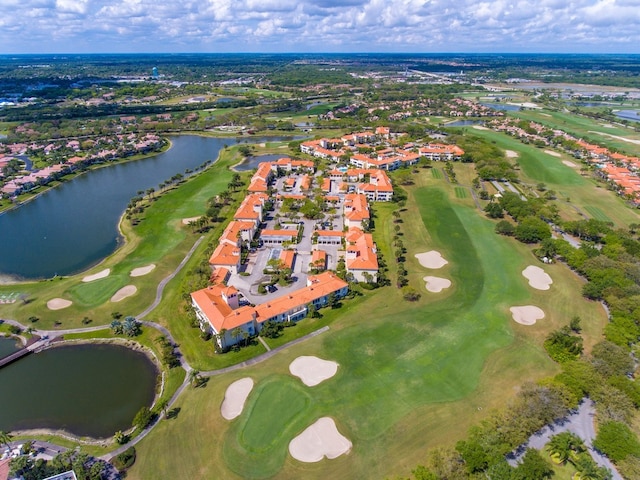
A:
(412, 375)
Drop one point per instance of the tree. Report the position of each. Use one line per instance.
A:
(5, 438)
(616, 441)
(503, 227)
(494, 210)
(143, 418)
(532, 230)
(561, 446)
(533, 466)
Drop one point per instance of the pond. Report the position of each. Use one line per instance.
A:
(632, 115)
(8, 346)
(88, 390)
(501, 106)
(72, 227)
(252, 162)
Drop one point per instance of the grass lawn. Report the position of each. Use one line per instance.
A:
(411, 375)
(577, 195)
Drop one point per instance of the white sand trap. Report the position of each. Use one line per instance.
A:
(313, 370)
(190, 220)
(552, 153)
(234, 398)
(322, 439)
(538, 278)
(140, 271)
(432, 259)
(124, 292)
(512, 154)
(97, 276)
(569, 163)
(527, 314)
(480, 127)
(436, 284)
(58, 303)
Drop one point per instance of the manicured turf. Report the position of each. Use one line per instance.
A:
(461, 192)
(98, 291)
(597, 213)
(256, 445)
(411, 375)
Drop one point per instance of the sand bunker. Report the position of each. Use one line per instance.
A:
(97, 276)
(140, 271)
(190, 220)
(569, 163)
(436, 284)
(552, 153)
(527, 314)
(124, 292)
(538, 278)
(480, 127)
(234, 398)
(58, 303)
(313, 370)
(322, 439)
(511, 154)
(432, 259)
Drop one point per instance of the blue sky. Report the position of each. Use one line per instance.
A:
(104, 26)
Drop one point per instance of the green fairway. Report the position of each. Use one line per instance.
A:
(98, 291)
(597, 213)
(255, 446)
(461, 192)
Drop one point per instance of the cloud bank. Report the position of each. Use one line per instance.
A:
(85, 26)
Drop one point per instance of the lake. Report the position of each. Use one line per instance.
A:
(72, 227)
(88, 390)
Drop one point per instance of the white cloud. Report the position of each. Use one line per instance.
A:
(317, 25)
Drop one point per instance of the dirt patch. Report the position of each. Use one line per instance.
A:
(234, 398)
(552, 153)
(527, 314)
(58, 303)
(322, 439)
(313, 370)
(140, 271)
(432, 259)
(190, 220)
(511, 154)
(97, 276)
(538, 278)
(124, 292)
(436, 284)
(569, 163)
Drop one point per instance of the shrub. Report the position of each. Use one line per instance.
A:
(126, 459)
(616, 441)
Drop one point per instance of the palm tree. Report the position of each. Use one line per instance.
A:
(194, 377)
(560, 446)
(5, 438)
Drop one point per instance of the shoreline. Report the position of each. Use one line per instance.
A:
(86, 439)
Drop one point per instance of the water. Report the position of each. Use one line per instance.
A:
(8, 346)
(464, 123)
(92, 390)
(74, 226)
(252, 162)
(629, 115)
(501, 106)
